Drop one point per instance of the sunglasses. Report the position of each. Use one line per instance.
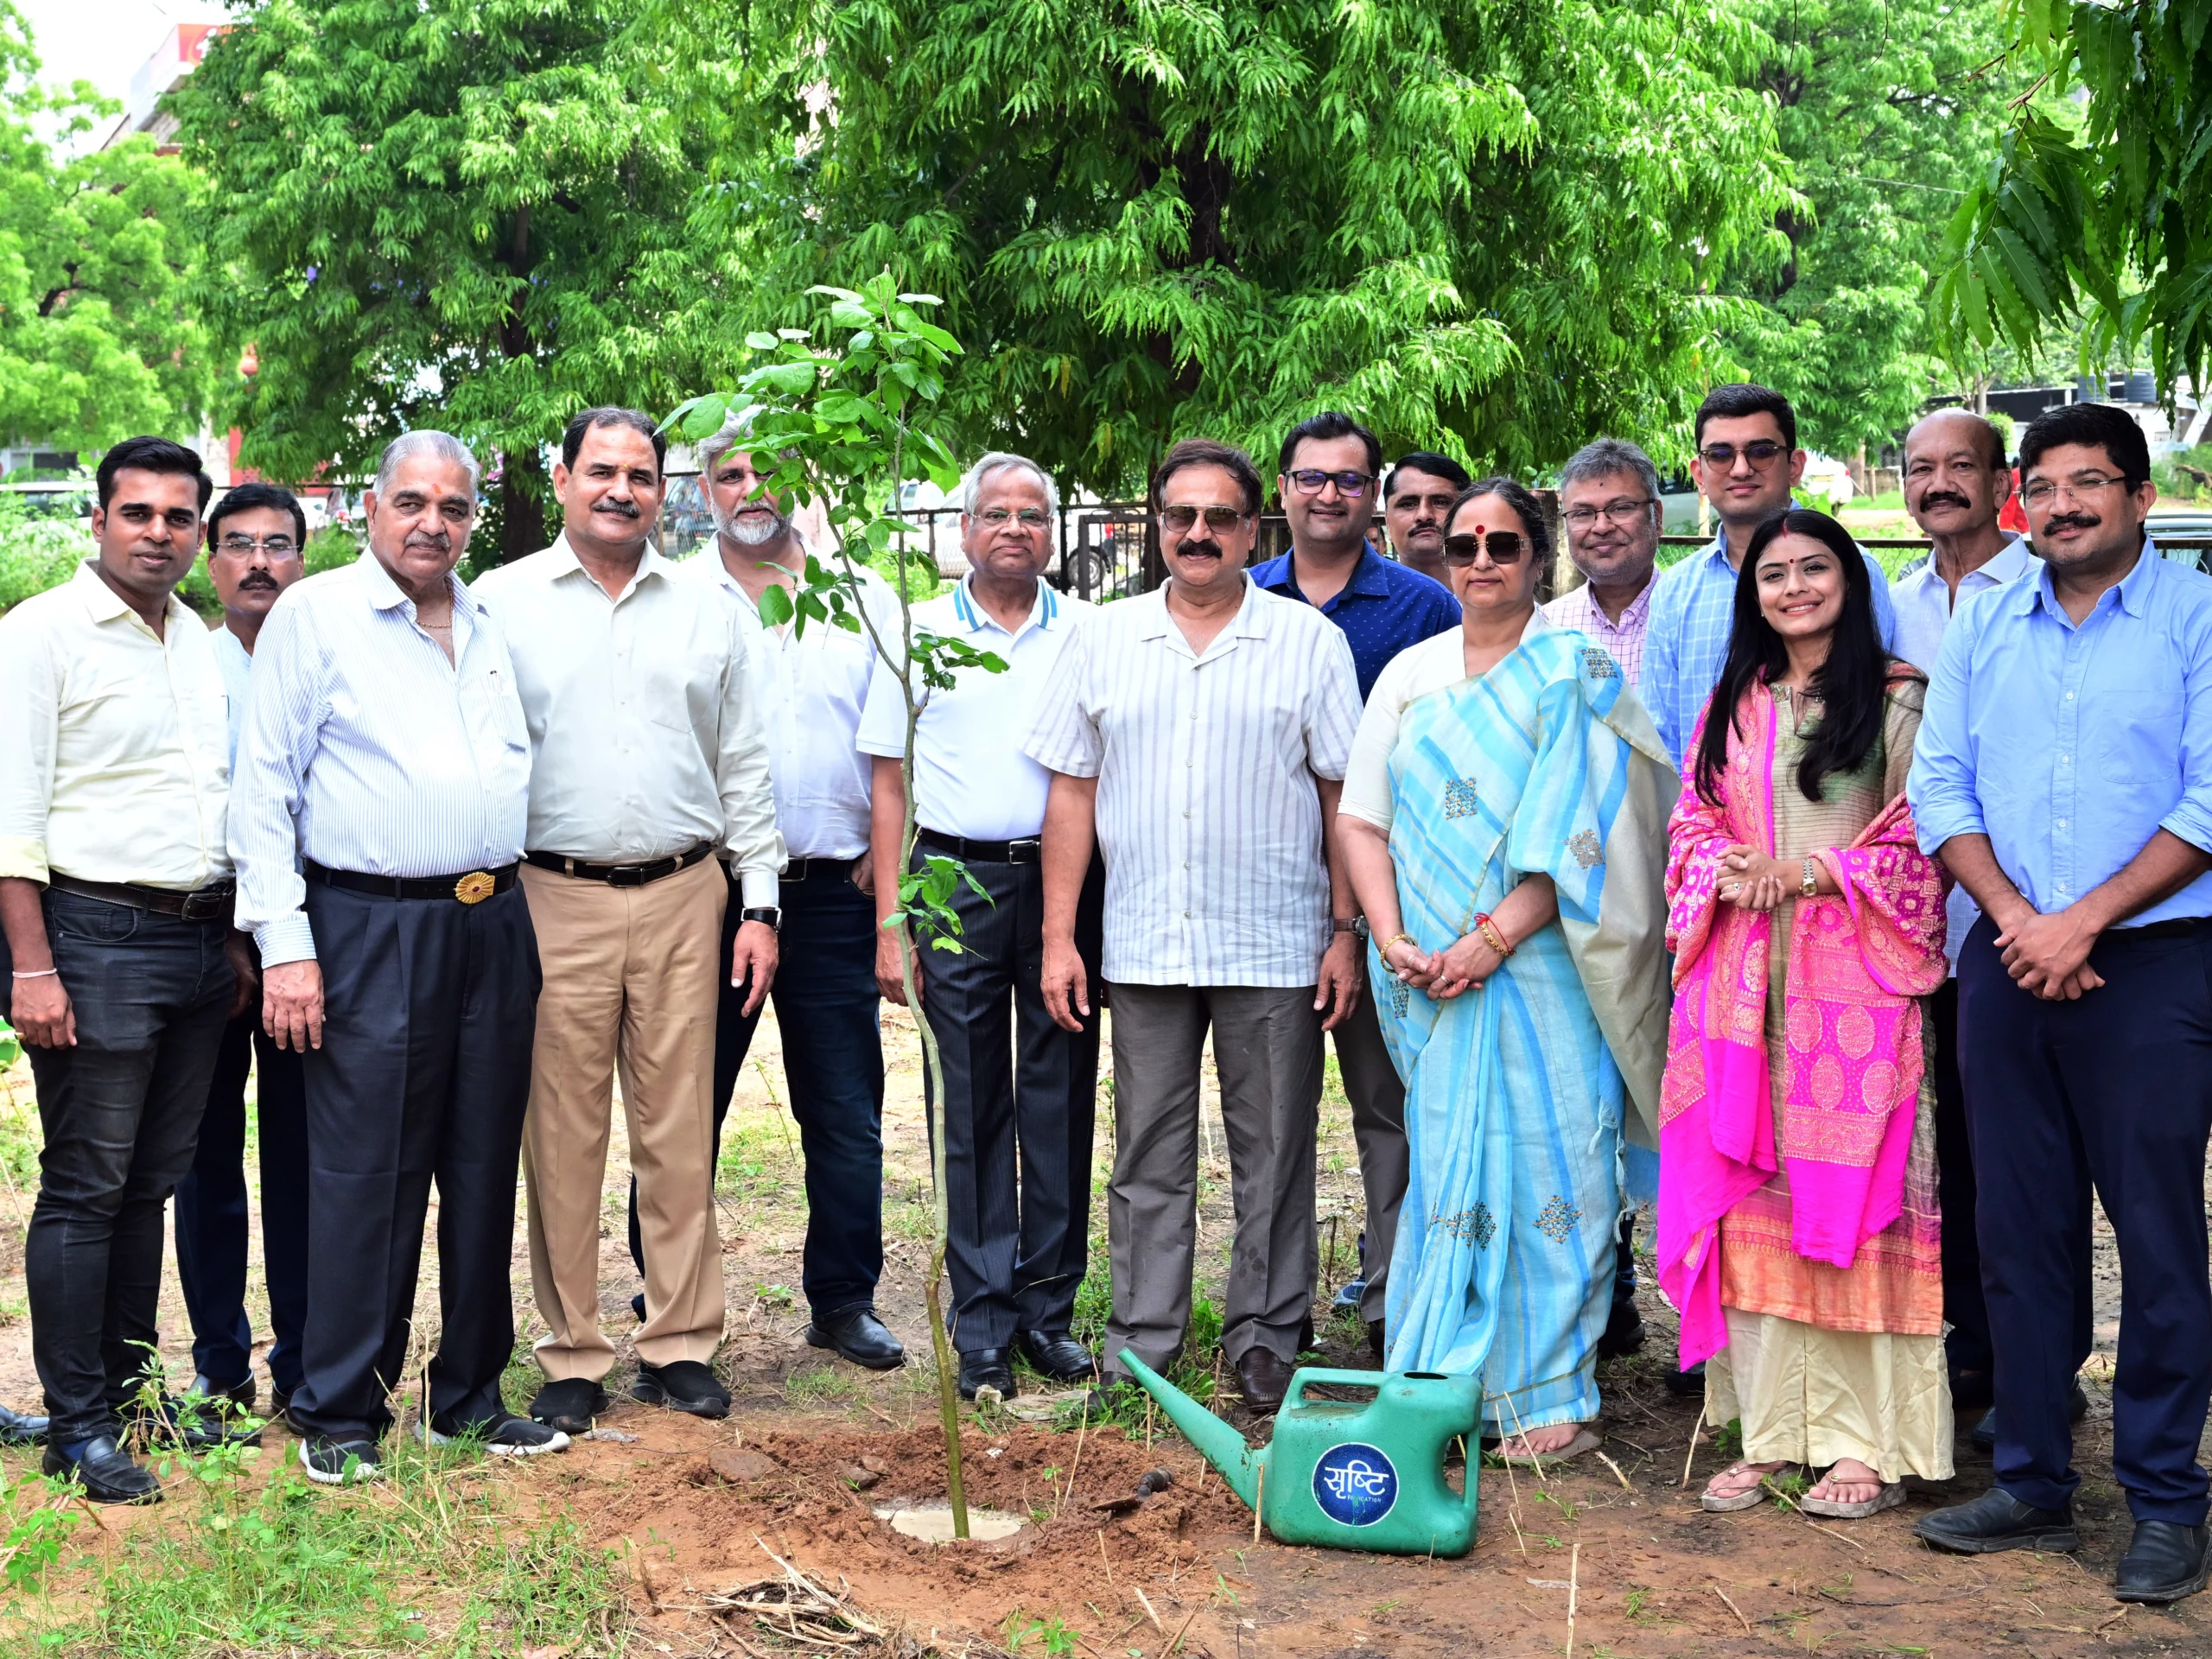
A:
(1759, 452)
(1504, 546)
(1220, 520)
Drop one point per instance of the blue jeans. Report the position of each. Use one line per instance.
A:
(826, 1008)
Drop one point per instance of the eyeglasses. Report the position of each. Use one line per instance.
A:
(1220, 520)
(1504, 546)
(2040, 491)
(244, 547)
(1619, 513)
(1309, 480)
(1759, 452)
(999, 518)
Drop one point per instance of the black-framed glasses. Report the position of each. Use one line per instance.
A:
(2038, 491)
(1220, 520)
(1623, 511)
(1760, 452)
(1309, 480)
(244, 547)
(1027, 517)
(1504, 547)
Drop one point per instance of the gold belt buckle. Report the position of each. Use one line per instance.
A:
(475, 887)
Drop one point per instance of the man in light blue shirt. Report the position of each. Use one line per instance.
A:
(1747, 462)
(2063, 772)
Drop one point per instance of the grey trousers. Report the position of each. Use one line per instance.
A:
(1378, 1128)
(1268, 1051)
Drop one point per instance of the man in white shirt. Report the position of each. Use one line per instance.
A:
(257, 545)
(1199, 734)
(115, 899)
(1018, 1089)
(377, 826)
(1956, 483)
(646, 755)
(810, 687)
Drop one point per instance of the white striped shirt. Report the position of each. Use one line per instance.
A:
(366, 750)
(1208, 817)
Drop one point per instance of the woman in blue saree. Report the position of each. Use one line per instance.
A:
(1504, 823)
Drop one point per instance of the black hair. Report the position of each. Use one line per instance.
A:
(1850, 684)
(151, 455)
(1326, 425)
(1206, 452)
(2098, 426)
(1425, 460)
(245, 497)
(1741, 397)
(1518, 496)
(572, 439)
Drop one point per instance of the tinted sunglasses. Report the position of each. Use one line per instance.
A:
(1503, 546)
(1220, 520)
(1759, 452)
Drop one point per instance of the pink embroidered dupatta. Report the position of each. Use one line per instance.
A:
(1859, 960)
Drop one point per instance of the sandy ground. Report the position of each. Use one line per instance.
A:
(1612, 1556)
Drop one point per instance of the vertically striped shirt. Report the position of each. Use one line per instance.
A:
(1209, 818)
(366, 750)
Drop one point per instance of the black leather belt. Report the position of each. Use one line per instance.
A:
(470, 888)
(1028, 850)
(2184, 927)
(623, 875)
(818, 870)
(208, 903)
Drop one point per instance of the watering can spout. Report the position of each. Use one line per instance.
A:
(1220, 1445)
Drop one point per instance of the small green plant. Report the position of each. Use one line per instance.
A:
(34, 1539)
(1728, 1439)
(1566, 1511)
(1633, 1603)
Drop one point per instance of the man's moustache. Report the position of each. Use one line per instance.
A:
(1944, 499)
(257, 580)
(1210, 550)
(627, 509)
(2072, 521)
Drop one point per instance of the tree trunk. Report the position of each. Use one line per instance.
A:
(522, 509)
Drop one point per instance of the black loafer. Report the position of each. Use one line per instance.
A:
(1689, 1384)
(16, 1429)
(987, 1367)
(1624, 1333)
(1262, 1378)
(2166, 1562)
(221, 1396)
(856, 1334)
(107, 1472)
(685, 1385)
(192, 1422)
(1985, 1431)
(1059, 1356)
(569, 1405)
(1996, 1521)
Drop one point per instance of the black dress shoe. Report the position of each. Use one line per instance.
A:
(1262, 1378)
(16, 1429)
(1996, 1521)
(1689, 1384)
(1059, 1356)
(1985, 1431)
(987, 1367)
(1376, 1344)
(856, 1334)
(2166, 1562)
(1624, 1333)
(1111, 1391)
(191, 1421)
(280, 1403)
(107, 1472)
(223, 1396)
(569, 1404)
(683, 1385)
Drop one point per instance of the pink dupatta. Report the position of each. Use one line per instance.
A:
(1859, 960)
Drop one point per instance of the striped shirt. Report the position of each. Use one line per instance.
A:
(1208, 817)
(366, 750)
(1623, 640)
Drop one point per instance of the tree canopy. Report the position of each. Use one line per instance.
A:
(2109, 227)
(97, 339)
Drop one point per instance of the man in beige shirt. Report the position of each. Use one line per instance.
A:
(646, 755)
(115, 898)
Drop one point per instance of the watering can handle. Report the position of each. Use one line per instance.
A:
(1295, 1394)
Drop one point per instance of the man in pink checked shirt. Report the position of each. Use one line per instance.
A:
(1609, 505)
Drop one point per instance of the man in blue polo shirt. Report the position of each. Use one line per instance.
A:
(1330, 469)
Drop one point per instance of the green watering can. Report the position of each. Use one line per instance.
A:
(1350, 1476)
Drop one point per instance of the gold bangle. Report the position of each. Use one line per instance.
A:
(1383, 949)
(1494, 936)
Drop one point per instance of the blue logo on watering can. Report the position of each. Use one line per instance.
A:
(1355, 1484)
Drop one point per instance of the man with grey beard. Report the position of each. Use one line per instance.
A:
(810, 690)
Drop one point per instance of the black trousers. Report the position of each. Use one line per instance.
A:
(827, 1009)
(424, 1074)
(1967, 1349)
(212, 1211)
(1020, 1097)
(118, 1113)
(2115, 1091)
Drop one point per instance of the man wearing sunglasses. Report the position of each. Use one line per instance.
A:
(1747, 462)
(1197, 736)
(1326, 476)
(257, 548)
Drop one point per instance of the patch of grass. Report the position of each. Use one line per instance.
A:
(825, 1385)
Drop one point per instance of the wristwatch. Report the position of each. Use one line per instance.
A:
(1812, 880)
(769, 916)
(1355, 925)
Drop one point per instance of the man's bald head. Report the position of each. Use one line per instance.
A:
(1955, 479)
(1954, 423)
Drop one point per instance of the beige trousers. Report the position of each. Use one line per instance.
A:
(631, 976)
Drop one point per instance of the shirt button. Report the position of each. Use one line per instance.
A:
(1186, 915)
(2069, 696)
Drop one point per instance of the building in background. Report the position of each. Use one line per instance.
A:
(170, 68)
